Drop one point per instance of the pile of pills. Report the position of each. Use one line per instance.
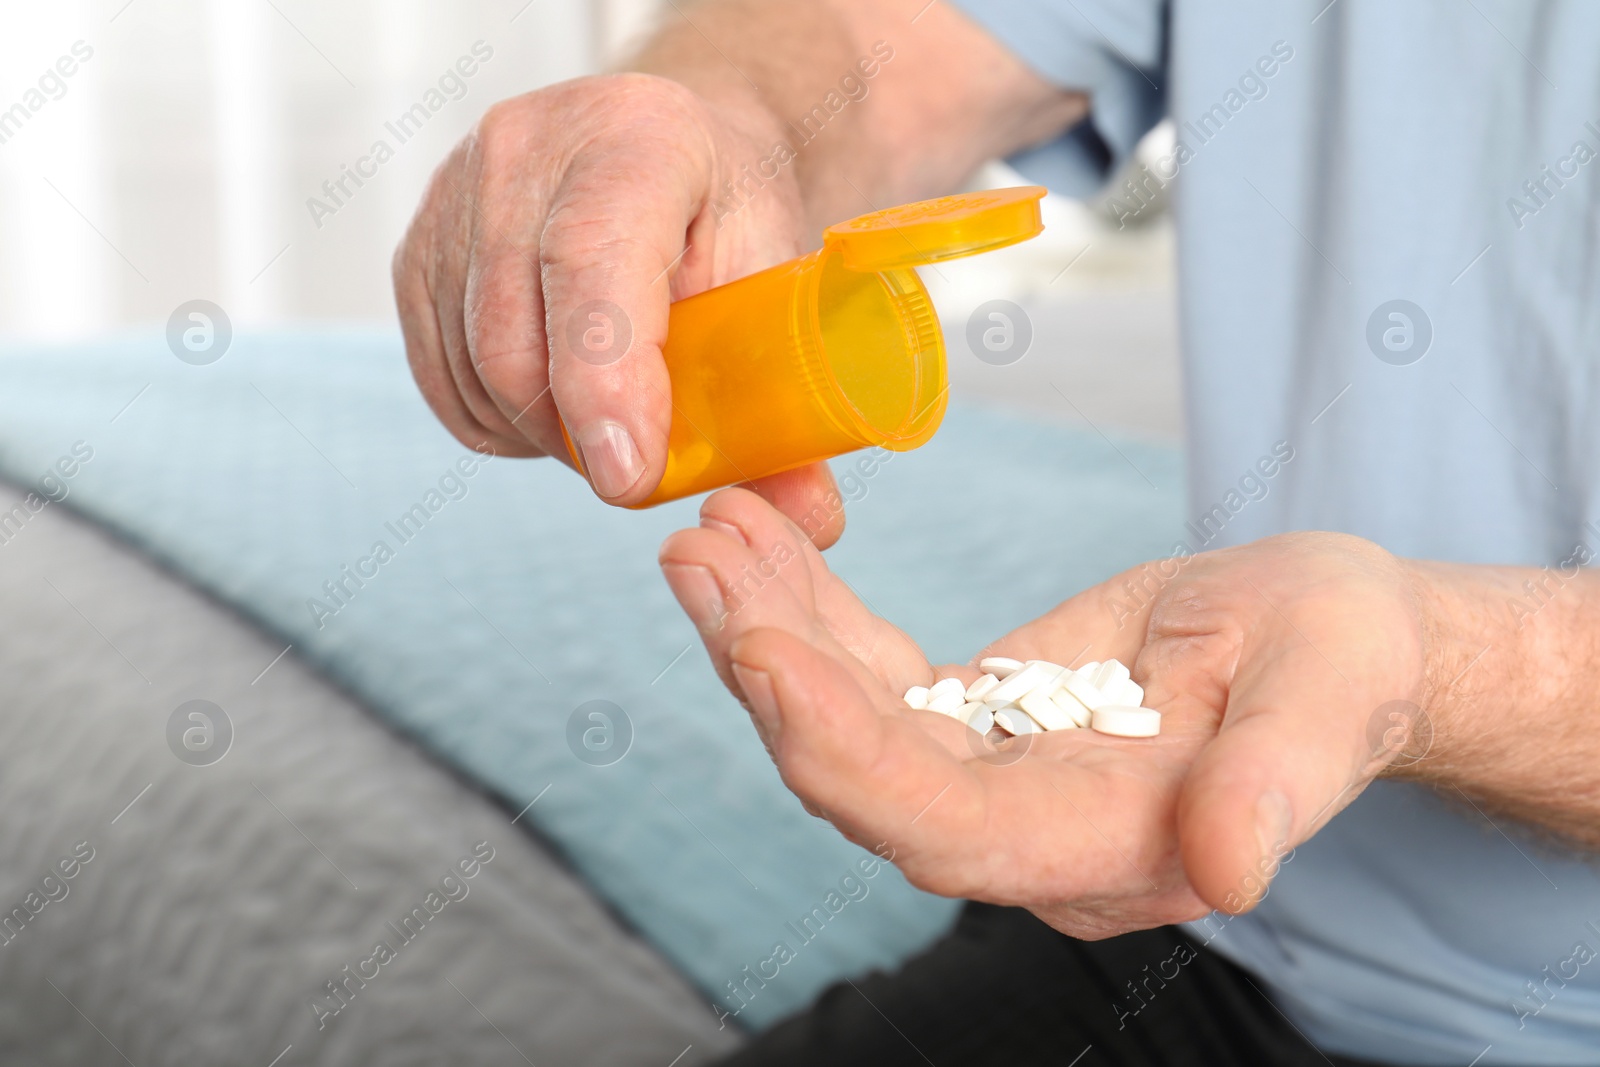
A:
(1034, 696)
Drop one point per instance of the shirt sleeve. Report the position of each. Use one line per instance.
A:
(1115, 51)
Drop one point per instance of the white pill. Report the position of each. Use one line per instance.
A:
(1081, 716)
(1030, 677)
(1000, 666)
(1086, 694)
(980, 689)
(917, 697)
(1015, 722)
(1053, 671)
(948, 685)
(1110, 671)
(981, 719)
(1119, 720)
(946, 703)
(1125, 691)
(1045, 711)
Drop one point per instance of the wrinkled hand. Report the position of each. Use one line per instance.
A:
(1269, 662)
(602, 195)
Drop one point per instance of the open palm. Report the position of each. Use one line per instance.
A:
(1269, 663)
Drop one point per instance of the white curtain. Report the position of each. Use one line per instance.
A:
(178, 158)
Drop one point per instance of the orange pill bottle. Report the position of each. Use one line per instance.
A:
(834, 351)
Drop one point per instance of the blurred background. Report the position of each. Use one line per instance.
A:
(180, 159)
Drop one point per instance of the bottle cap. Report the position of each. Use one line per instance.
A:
(931, 231)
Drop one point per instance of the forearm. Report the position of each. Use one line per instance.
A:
(1513, 692)
(878, 109)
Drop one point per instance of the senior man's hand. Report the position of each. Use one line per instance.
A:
(605, 197)
(614, 195)
(1271, 663)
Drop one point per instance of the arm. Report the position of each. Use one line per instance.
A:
(949, 97)
(1513, 679)
(614, 189)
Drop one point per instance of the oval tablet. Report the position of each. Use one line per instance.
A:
(917, 697)
(1108, 672)
(1119, 720)
(1045, 711)
(1125, 691)
(982, 719)
(1000, 666)
(1030, 677)
(1087, 695)
(1080, 715)
(982, 687)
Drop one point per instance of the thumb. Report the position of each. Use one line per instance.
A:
(605, 256)
(1291, 753)
(628, 215)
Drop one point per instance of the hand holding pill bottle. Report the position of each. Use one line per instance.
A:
(831, 352)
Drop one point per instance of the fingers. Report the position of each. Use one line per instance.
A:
(534, 282)
(880, 778)
(420, 315)
(809, 496)
(450, 225)
(882, 647)
(728, 590)
(457, 358)
(504, 335)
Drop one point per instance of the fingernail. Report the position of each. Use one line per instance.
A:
(1274, 820)
(610, 457)
(758, 693)
(708, 523)
(697, 590)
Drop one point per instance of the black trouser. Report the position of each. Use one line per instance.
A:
(1004, 988)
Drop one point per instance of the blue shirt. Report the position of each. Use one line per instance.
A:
(1389, 260)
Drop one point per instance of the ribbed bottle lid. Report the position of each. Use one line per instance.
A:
(931, 231)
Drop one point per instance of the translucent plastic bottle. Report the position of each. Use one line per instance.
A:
(835, 351)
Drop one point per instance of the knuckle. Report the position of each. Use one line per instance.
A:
(499, 115)
(647, 95)
(502, 128)
(575, 233)
(514, 375)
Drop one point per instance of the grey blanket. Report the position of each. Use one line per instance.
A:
(210, 855)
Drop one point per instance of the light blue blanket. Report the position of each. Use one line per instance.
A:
(509, 596)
